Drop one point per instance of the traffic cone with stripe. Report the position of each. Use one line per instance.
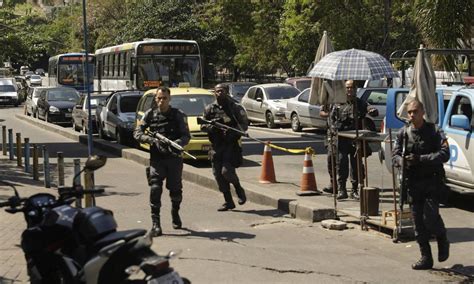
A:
(308, 180)
(268, 170)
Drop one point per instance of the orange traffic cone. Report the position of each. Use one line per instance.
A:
(308, 180)
(268, 170)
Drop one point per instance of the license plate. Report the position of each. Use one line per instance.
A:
(172, 277)
(206, 147)
(68, 114)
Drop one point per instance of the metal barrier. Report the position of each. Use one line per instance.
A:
(10, 144)
(60, 169)
(77, 180)
(35, 162)
(4, 140)
(26, 151)
(46, 170)
(18, 149)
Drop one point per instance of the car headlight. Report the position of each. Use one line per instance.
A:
(53, 109)
(128, 124)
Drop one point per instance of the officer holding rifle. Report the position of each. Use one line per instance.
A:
(166, 160)
(226, 154)
(425, 151)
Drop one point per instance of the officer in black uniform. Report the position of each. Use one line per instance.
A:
(427, 150)
(165, 161)
(347, 113)
(226, 153)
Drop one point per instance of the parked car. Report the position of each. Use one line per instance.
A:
(302, 114)
(80, 113)
(40, 71)
(35, 80)
(192, 102)
(237, 89)
(55, 104)
(455, 107)
(23, 88)
(300, 83)
(267, 103)
(28, 74)
(116, 116)
(376, 97)
(31, 102)
(8, 92)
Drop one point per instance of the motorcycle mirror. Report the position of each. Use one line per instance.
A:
(95, 162)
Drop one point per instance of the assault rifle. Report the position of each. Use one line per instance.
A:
(171, 143)
(221, 125)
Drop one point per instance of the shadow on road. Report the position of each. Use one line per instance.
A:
(226, 236)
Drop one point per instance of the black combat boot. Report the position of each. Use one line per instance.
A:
(229, 202)
(328, 189)
(156, 229)
(240, 194)
(175, 216)
(342, 193)
(426, 260)
(443, 248)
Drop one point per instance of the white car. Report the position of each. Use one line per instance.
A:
(31, 102)
(35, 80)
(267, 103)
(302, 114)
(8, 92)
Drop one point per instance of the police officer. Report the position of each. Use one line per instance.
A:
(354, 108)
(165, 161)
(427, 150)
(226, 153)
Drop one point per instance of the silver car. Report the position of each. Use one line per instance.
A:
(302, 114)
(31, 102)
(267, 103)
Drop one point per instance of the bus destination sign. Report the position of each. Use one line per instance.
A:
(67, 59)
(168, 48)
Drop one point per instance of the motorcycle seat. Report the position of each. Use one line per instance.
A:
(116, 236)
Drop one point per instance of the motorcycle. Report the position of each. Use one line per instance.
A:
(63, 244)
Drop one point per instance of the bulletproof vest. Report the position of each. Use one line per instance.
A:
(165, 124)
(225, 114)
(422, 142)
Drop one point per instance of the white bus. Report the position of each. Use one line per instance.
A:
(148, 64)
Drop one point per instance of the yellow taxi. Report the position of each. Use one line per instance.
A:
(192, 102)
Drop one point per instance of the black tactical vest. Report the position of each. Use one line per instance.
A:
(165, 124)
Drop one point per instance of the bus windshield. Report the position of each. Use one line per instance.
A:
(168, 71)
(74, 74)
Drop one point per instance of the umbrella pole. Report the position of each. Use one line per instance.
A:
(358, 162)
(396, 236)
(334, 154)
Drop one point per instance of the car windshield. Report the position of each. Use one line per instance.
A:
(281, 92)
(7, 88)
(129, 103)
(38, 77)
(96, 100)
(192, 105)
(63, 95)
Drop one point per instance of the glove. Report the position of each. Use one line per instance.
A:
(162, 147)
(373, 112)
(412, 159)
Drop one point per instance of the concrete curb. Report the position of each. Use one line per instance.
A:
(282, 200)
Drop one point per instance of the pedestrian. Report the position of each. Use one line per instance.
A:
(426, 150)
(226, 153)
(345, 120)
(165, 161)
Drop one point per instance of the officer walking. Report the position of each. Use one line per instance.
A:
(165, 161)
(226, 153)
(427, 149)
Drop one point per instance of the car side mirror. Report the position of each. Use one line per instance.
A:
(460, 121)
(259, 100)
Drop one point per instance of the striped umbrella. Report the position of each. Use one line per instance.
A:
(353, 64)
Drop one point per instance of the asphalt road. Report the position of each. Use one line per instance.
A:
(252, 244)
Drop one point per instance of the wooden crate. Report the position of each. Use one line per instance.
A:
(389, 216)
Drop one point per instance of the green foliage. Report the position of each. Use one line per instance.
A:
(239, 35)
